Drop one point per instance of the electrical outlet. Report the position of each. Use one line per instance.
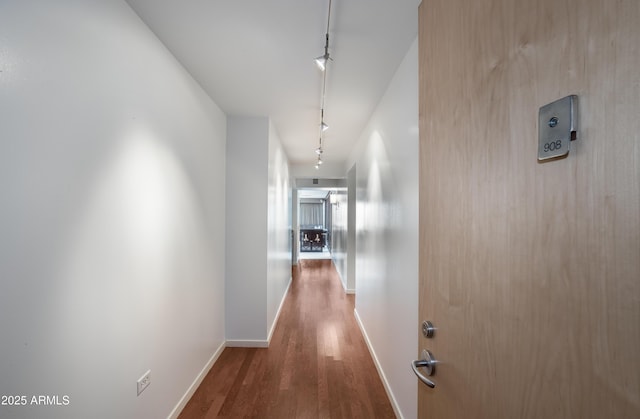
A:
(144, 381)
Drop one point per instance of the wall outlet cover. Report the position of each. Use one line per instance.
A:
(144, 381)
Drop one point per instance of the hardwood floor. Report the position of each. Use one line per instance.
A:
(317, 366)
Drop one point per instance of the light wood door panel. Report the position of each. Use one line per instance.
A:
(529, 271)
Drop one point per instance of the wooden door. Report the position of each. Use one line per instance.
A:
(530, 271)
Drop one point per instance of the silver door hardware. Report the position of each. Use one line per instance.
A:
(557, 127)
(427, 329)
(428, 362)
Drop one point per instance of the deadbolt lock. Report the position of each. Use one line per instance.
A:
(427, 329)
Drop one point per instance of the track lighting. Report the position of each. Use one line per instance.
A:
(323, 125)
(322, 61)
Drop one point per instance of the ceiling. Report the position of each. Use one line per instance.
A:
(255, 58)
(317, 193)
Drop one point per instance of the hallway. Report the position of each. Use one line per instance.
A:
(317, 366)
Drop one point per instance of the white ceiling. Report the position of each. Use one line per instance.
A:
(317, 193)
(255, 58)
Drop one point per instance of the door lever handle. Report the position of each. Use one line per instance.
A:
(429, 363)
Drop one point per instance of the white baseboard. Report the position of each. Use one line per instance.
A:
(275, 321)
(247, 343)
(385, 383)
(196, 383)
(344, 285)
(231, 344)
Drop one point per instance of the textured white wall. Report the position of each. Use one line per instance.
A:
(387, 232)
(246, 252)
(279, 228)
(112, 214)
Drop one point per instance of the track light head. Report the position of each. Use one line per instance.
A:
(319, 151)
(322, 60)
(324, 126)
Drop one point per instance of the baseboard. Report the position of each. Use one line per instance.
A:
(347, 290)
(385, 383)
(344, 286)
(275, 321)
(231, 344)
(196, 383)
(250, 343)
(247, 343)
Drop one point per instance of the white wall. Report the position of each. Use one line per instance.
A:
(279, 228)
(112, 213)
(351, 228)
(258, 257)
(295, 225)
(339, 235)
(387, 233)
(246, 200)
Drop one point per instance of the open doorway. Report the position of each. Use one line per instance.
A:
(314, 210)
(324, 221)
(314, 221)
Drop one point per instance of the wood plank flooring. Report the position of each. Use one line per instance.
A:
(317, 366)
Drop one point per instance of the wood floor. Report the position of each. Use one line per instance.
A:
(317, 366)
